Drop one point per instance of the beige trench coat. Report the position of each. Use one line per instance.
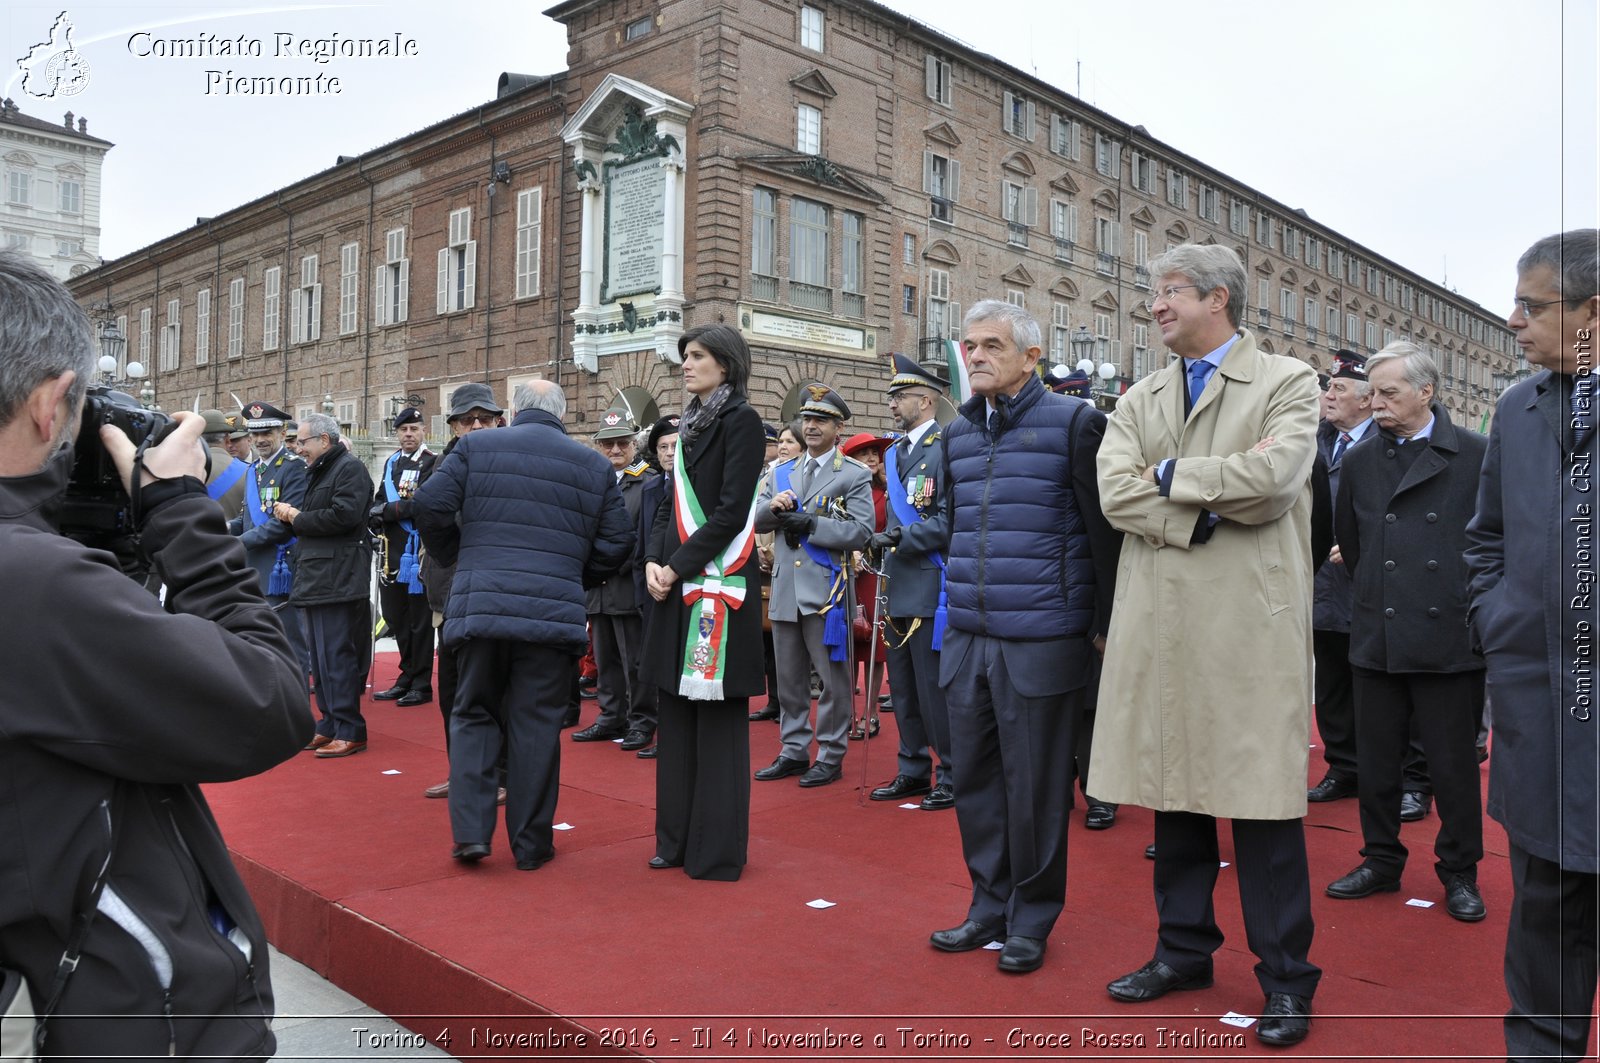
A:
(1205, 701)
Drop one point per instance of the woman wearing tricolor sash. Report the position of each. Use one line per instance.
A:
(706, 640)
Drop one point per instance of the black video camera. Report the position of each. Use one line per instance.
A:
(97, 511)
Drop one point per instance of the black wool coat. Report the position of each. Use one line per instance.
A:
(333, 558)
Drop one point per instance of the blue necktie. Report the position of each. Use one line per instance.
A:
(1338, 450)
(1199, 373)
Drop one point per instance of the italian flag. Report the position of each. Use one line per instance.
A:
(960, 383)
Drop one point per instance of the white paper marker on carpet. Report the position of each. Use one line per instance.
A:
(392, 771)
(820, 903)
(562, 826)
(1233, 1018)
(1418, 902)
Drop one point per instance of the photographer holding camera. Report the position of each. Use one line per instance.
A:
(119, 905)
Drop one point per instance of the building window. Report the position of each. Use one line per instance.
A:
(1141, 256)
(1143, 169)
(811, 28)
(1107, 156)
(305, 304)
(1263, 228)
(853, 265)
(944, 317)
(1102, 337)
(392, 287)
(349, 294)
(19, 188)
(1016, 298)
(1177, 188)
(1263, 302)
(1286, 307)
(202, 326)
(809, 256)
(170, 334)
(941, 179)
(1333, 325)
(1141, 349)
(458, 265)
(1372, 335)
(1066, 137)
(936, 79)
(1311, 318)
(908, 250)
(1060, 331)
(271, 316)
(236, 317)
(68, 248)
(1107, 238)
(639, 27)
(1020, 205)
(1064, 227)
(764, 244)
(908, 298)
(530, 223)
(21, 242)
(144, 338)
(808, 130)
(1016, 116)
(1238, 217)
(70, 196)
(1210, 209)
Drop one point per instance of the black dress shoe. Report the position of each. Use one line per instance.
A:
(597, 732)
(782, 768)
(414, 697)
(1414, 805)
(571, 718)
(768, 713)
(902, 786)
(392, 694)
(647, 753)
(536, 862)
(941, 797)
(821, 774)
(1285, 1020)
(658, 863)
(636, 740)
(1100, 815)
(964, 938)
(1332, 788)
(470, 852)
(1462, 899)
(1156, 979)
(588, 689)
(1362, 882)
(1022, 955)
(1150, 851)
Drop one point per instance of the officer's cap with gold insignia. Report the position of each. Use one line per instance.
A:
(263, 417)
(409, 415)
(823, 401)
(617, 421)
(909, 373)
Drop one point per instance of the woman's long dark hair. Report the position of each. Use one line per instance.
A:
(727, 347)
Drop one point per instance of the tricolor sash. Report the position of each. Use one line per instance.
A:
(410, 571)
(906, 513)
(836, 623)
(709, 594)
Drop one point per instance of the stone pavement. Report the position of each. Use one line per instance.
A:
(318, 1020)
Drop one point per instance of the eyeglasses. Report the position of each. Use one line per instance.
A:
(1528, 308)
(485, 419)
(1166, 295)
(615, 444)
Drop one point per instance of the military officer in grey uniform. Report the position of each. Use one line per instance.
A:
(821, 504)
(912, 548)
(277, 476)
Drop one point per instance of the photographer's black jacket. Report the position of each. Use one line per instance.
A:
(114, 707)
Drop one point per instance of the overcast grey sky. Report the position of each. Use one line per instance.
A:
(1446, 136)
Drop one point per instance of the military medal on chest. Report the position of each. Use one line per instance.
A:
(407, 484)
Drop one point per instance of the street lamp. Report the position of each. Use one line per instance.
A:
(327, 404)
(1082, 345)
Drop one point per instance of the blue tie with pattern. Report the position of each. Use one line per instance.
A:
(1199, 373)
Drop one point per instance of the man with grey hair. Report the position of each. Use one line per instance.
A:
(333, 570)
(117, 707)
(529, 517)
(1206, 468)
(1029, 575)
(1402, 515)
(1535, 611)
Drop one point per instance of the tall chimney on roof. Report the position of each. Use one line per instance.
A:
(83, 126)
(68, 121)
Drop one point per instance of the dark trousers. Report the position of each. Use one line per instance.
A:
(617, 647)
(1013, 757)
(1550, 959)
(1444, 708)
(295, 626)
(703, 785)
(511, 694)
(1336, 706)
(449, 677)
(340, 644)
(1083, 745)
(410, 621)
(920, 712)
(1274, 893)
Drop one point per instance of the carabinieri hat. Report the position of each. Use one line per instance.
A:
(667, 426)
(823, 401)
(409, 415)
(1349, 364)
(909, 373)
(263, 417)
(1075, 382)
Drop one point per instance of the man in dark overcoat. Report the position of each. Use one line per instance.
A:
(1402, 513)
(1535, 612)
(400, 590)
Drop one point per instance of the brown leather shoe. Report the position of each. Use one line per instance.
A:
(340, 748)
(439, 790)
(318, 741)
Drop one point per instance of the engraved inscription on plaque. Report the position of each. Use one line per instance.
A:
(635, 211)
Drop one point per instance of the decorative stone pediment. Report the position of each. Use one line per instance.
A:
(814, 82)
(1313, 288)
(1018, 163)
(1018, 276)
(1065, 183)
(1106, 199)
(1106, 300)
(1178, 232)
(942, 133)
(1063, 288)
(1266, 347)
(816, 169)
(1143, 216)
(1290, 278)
(942, 252)
(606, 112)
(1263, 266)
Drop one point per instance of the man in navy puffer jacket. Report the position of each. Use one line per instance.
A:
(1031, 569)
(540, 517)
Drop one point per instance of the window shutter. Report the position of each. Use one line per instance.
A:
(315, 323)
(444, 280)
(930, 76)
(1030, 210)
(403, 296)
(1007, 104)
(1029, 132)
(294, 314)
(380, 297)
(470, 287)
(953, 322)
(955, 180)
(927, 172)
(1072, 222)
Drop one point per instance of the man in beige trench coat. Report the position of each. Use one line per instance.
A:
(1205, 701)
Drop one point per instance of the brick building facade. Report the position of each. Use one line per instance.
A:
(849, 180)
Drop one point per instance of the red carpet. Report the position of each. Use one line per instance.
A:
(351, 869)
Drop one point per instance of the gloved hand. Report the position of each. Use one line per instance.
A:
(797, 523)
(885, 540)
(376, 512)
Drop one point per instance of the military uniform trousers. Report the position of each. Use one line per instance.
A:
(799, 648)
(410, 621)
(617, 641)
(920, 712)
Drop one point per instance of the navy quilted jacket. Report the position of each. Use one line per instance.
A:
(540, 514)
